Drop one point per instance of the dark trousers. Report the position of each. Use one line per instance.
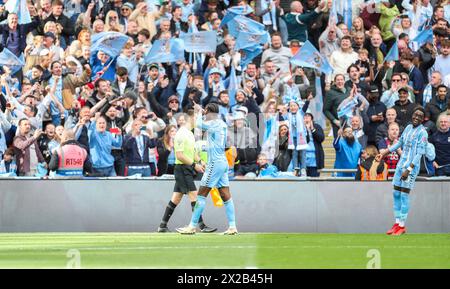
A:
(312, 172)
(119, 162)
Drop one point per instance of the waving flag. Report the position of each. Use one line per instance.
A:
(166, 50)
(244, 24)
(308, 56)
(182, 84)
(248, 54)
(333, 18)
(9, 59)
(316, 104)
(19, 7)
(424, 36)
(247, 40)
(233, 86)
(235, 11)
(110, 43)
(393, 53)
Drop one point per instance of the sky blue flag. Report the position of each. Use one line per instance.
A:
(182, 84)
(109, 42)
(333, 18)
(393, 53)
(9, 59)
(233, 86)
(247, 40)
(235, 11)
(249, 54)
(200, 42)
(348, 13)
(166, 50)
(244, 24)
(424, 36)
(19, 7)
(316, 104)
(308, 56)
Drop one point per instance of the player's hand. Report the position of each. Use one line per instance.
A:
(405, 175)
(199, 168)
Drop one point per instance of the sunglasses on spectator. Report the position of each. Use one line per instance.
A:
(396, 80)
(173, 101)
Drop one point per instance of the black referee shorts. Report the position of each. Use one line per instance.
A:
(184, 179)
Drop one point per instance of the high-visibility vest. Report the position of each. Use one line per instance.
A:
(365, 174)
(71, 160)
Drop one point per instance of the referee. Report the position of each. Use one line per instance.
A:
(186, 167)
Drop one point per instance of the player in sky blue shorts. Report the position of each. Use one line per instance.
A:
(216, 173)
(413, 143)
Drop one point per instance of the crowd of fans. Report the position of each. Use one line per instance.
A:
(125, 112)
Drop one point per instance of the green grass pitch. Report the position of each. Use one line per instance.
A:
(246, 250)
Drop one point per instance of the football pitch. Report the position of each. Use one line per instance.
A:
(246, 250)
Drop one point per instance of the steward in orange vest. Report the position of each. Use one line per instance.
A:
(371, 170)
(70, 159)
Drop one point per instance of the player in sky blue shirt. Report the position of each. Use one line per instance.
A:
(413, 143)
(216, 173)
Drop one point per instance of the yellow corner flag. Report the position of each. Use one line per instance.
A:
(215, 196)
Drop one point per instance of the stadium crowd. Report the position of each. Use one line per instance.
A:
(119, 114)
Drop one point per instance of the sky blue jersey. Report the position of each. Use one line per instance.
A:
(413, 143)
(216, 133)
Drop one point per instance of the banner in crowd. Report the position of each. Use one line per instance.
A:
(166, 50)
(248, 40)
(424, 36)
(19, 7)
(182, 84)
(10, 60)
(109, 42)
(308, 56)
(200, 42)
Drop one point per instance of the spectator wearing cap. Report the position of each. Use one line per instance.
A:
(279, 54)
(404, 107)
(102, 65)
(415, 76)
(57, 16)
(166, 112)
(374, 116)
(14, 34)
(125, 11)
(214, 81)
(56, 51)
(245, 141)
(297, 22)
(390, 96)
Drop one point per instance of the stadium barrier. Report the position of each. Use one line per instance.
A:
(266, 205)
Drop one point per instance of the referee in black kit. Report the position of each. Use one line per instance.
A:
(185, 171)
